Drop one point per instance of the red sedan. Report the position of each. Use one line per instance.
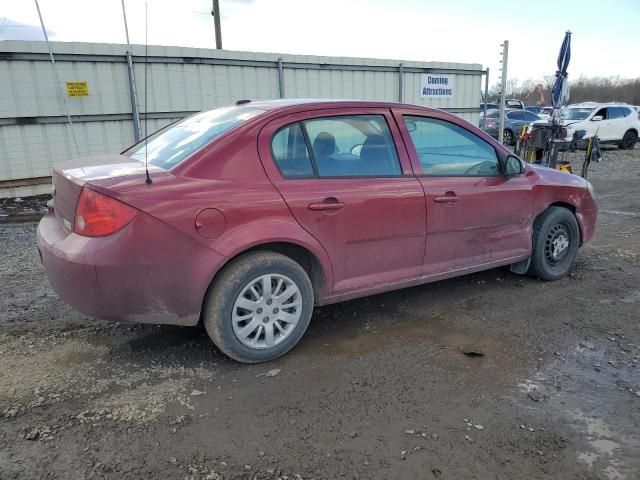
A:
(252, 214)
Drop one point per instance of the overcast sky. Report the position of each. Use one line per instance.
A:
(606, 40)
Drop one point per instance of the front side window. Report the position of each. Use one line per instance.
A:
(352, 146)
(603, 112)
(172, 145)
(446, 149)
(515, 115)
(530, 117)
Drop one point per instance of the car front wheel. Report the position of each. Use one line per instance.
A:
(507, 137)
(556, 237)
(258, 307)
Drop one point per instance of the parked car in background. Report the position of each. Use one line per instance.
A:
(514, 120)
(514, 104)
(614, 123)
(490, 106)
(542, 112)
(250, 215)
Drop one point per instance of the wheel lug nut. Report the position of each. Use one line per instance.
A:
(265, 319)
(275, 310)
(269, 302)
(259, 310)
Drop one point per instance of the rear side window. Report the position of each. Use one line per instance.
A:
(340, 146)
(170, 146)
(446, 149)
(530, 117)
(515, 115)
(353, 146)
(618, 112)
(290, 152)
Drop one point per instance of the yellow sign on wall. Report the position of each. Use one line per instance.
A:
(77, 89)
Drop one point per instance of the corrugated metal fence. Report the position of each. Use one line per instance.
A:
(33, 130)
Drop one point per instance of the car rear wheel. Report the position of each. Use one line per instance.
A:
(629, 140)
(556, 237)
(259, 307)
(507, 137)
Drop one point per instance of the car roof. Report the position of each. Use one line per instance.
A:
(288, 103)
(596, 104)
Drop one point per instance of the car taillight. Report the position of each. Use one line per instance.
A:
(98, 215)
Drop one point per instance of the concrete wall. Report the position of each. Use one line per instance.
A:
(33, 135)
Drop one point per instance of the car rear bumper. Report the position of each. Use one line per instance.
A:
(148, 272)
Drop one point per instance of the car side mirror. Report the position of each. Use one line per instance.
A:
(511, 166)
(597, 118)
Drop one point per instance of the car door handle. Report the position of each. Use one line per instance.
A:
(449, 197)
(326, 204)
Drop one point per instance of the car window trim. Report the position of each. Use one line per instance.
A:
(273, 156)
(311, 154)
(307, 145)
(423, 175)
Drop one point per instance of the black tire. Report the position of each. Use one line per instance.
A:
(227, 287)
(628, 140)
(554, 224)
(507, 137)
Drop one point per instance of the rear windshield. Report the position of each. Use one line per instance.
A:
(577, 113)
(171, 145)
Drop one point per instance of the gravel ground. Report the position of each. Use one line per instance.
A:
(378, 388)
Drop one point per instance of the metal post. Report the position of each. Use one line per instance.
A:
(486, 95)
(280, 78)
(400, 82)
(503, 87)
(133, 94)
(215, 12)
(134, 98)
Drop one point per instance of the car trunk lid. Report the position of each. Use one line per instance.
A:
(70, 177)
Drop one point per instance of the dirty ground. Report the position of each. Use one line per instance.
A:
(491, 375)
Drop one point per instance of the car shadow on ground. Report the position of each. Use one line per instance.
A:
(403, 313)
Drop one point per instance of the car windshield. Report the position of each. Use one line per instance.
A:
(576, 113)
(173, 144)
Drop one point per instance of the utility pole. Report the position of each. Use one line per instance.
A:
(215, 13)
(503, 87)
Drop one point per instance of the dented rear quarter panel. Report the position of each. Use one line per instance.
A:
(555, 187)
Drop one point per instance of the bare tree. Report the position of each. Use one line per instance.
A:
(583, 89)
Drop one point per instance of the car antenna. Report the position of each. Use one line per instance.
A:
(146, 111)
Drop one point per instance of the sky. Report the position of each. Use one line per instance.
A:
(605, 42)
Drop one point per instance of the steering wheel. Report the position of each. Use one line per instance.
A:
(477, 168)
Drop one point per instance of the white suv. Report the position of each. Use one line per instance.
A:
(614, 123)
